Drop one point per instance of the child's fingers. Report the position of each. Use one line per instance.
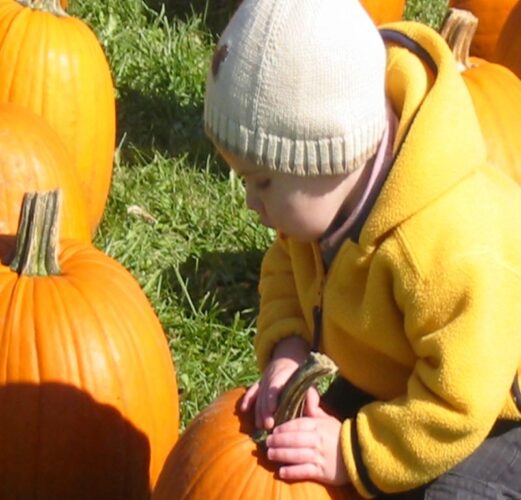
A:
(311, 403)
(293, 440)
(267, 404)
(273, 379)
(296, 456)
(300, 472)
(303, 424)
(272, 399)
(249, 397)
(269, 422)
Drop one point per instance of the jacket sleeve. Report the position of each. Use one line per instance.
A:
(463, 322)
(280, 313)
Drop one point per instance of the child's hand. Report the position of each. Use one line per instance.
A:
(287, 356)
(309, 447)
(265, 393)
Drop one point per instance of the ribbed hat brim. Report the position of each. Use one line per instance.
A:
(326, 156)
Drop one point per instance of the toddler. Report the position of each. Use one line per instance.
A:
(398, 250)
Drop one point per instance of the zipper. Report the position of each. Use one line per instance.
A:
(317, 328)
(318, 309)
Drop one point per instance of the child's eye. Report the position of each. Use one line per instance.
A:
(263, 184)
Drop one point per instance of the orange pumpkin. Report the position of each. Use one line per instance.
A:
(495, 92)
(381, 11)
(492, 15)
(88, 395)
(53, 64)
(384, 11)
(508, 47)
(217, 456)
(33, 158)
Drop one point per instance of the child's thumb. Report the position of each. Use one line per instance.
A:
(312, 403)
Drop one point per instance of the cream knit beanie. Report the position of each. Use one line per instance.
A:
(298, 86)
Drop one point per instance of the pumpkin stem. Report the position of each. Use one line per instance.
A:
(51, 6)
(458, 29)
(291, 400)
(36, 252)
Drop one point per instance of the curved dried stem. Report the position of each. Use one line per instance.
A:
(291, 400)
(458, 30)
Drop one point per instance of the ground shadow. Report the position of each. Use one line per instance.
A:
(148, 123)
(215, 13)
(7, 248)
(142, 132)
(58, 442)
(151, 123)
(228, 279)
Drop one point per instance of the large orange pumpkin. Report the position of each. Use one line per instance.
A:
(88, 395)
(491, 15)
(217, 457)
(495, 92)
(384, 11)
(53, 64)
(33, 158)
(508, 47)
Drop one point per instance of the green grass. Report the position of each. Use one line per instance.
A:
(175, 217)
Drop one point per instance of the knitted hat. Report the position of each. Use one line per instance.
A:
(298, 86)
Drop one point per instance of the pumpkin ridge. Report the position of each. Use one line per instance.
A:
(72, 352)
(37, 24)
(98, 178)
(495, 92)
(116, 318)
(86, 304)
(4, 31)
(74, 375)
(114, 315)
(245, 475)
(508, 46)
(6, 339)
(17, 18)
(15, 312)
(223, 450)
(255, 483)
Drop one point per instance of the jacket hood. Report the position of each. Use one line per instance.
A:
(439, 141)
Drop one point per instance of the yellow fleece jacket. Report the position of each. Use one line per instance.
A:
(424, 311)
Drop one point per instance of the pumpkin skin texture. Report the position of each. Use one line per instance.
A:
(88, 396)
(382, 11)
(508, 47)
(495, 92)
(216, 458)
(492, 15)
(53, 64)
(33, 158)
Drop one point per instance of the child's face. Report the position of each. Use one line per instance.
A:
(301, 207)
